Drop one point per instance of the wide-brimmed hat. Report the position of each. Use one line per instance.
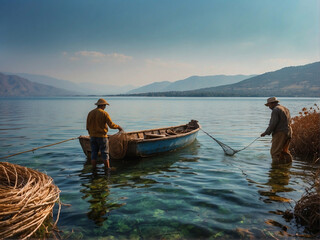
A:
(271, 100)
(101, 101)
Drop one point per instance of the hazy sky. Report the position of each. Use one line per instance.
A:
(137, 42)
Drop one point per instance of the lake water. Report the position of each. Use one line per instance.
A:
(196, 192)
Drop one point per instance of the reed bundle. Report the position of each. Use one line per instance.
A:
(306, 131)
(307, 209)
(27, 197)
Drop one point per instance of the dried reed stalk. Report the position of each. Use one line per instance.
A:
(307, 209)
(27, 197)
(306, 131)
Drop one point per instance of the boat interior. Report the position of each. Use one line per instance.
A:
(163, 132)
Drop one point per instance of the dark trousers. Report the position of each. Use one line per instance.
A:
(99, 144)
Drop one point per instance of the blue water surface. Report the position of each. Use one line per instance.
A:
(194, 193)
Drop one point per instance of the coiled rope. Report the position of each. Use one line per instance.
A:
(34, 149)
(27, 198)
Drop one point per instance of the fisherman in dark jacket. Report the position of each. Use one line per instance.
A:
(280, 128)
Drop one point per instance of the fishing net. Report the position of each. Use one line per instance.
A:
(118, 145)
(27, 197)
(228, 150)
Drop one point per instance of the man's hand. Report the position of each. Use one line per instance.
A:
(120, 128)
(263, 134)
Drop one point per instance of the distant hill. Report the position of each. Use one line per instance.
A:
(152, 87)
(81, 88)
(299, 81)
(15, 86)
(94, 88)
(190, 83)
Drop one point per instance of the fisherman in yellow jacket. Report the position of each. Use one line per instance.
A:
(98, 121)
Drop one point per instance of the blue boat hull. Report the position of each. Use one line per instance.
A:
(153, 147)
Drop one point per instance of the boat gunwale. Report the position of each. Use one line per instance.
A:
(137, 140)
(156, 129)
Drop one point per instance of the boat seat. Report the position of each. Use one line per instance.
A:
(151, 135)
(170, 132)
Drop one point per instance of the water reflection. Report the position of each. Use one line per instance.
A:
(97, 192)
(98, 186)
(279, 177)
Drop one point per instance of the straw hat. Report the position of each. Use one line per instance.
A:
(271, 100)
(101, 101)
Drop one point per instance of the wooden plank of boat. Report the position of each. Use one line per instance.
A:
(150, 142)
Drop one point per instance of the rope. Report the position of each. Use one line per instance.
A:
(27, 198)
(248, 145)
(34, 149)
(228, 150)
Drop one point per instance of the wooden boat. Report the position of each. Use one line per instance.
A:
(150, 142)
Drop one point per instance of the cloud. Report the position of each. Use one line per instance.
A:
(90, 54)
(94, 56)
(119, 57)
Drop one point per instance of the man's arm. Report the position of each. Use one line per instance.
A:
(272, 124)
(87, 125)
(112, 124)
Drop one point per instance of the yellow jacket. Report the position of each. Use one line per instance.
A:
(98, 121)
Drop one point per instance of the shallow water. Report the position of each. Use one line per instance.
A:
(195, 192)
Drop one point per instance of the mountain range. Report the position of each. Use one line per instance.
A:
(64, 87)
(190, 83)
(12, 86)
(84, 88)
(299, 81)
